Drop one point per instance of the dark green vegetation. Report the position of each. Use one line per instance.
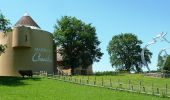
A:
(77, 42)
(16, 88)
(4, 27)
(105, 73)
(166, 66)
(125, 52)
(4, 23)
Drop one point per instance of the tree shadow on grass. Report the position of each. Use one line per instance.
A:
(15, 81)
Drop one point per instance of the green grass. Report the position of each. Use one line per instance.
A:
(16, 88)
(135, 80)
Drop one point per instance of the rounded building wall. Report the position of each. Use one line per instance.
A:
(27, 49)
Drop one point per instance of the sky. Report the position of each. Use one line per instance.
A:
(144, 18)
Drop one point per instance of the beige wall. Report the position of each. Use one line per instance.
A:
(27, 49)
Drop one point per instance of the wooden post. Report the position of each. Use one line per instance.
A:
(110, 82)
(157, 90)
(80, 80)
(88, 80)
(143, 89)
(129, 84)
(166, 89)
(152, 89)
(140, 83)
(95, 80)
(132, 87)
(102, 82)
(118, 81)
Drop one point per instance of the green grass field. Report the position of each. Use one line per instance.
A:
(133, 78)
(16, 88)
(149, 83)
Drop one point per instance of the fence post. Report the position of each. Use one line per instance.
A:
(143, 89)
(102, 82)
(157, 90)
(75, 80)
(88, 80)
(140, 83)
(129, 84)
(110, 82)
(118, 82)
(152, 89)
(95, 80)
(166, 89)
(132, 87)
(82, 79)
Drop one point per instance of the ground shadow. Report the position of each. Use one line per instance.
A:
(15, 81)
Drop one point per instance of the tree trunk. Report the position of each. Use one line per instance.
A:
(128, 65)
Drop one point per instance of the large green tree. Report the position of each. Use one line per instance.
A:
(77, 42)
(4, 27)
(125, 52)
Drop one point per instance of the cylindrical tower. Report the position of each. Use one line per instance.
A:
(28, 48)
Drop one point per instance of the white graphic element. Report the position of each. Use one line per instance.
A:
(165, 59)
(161, 37)
(41, 55)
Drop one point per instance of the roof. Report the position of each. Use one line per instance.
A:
(26, 20)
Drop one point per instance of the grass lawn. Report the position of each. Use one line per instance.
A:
(16, 88)
(135, 79)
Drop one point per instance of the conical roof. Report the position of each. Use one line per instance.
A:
(26, 20)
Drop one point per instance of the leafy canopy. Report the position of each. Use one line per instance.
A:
(4, 27)
(4, 23)
(125, 52)
(77, 42)
(167, 64)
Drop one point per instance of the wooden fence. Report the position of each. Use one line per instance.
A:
(116, 85)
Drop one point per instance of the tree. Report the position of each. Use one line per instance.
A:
(125, 52)
(4, 24)
(77, 41)
(165, 65)
(160, 62)
(4, 27)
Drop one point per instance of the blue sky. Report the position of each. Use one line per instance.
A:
(145, 18)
